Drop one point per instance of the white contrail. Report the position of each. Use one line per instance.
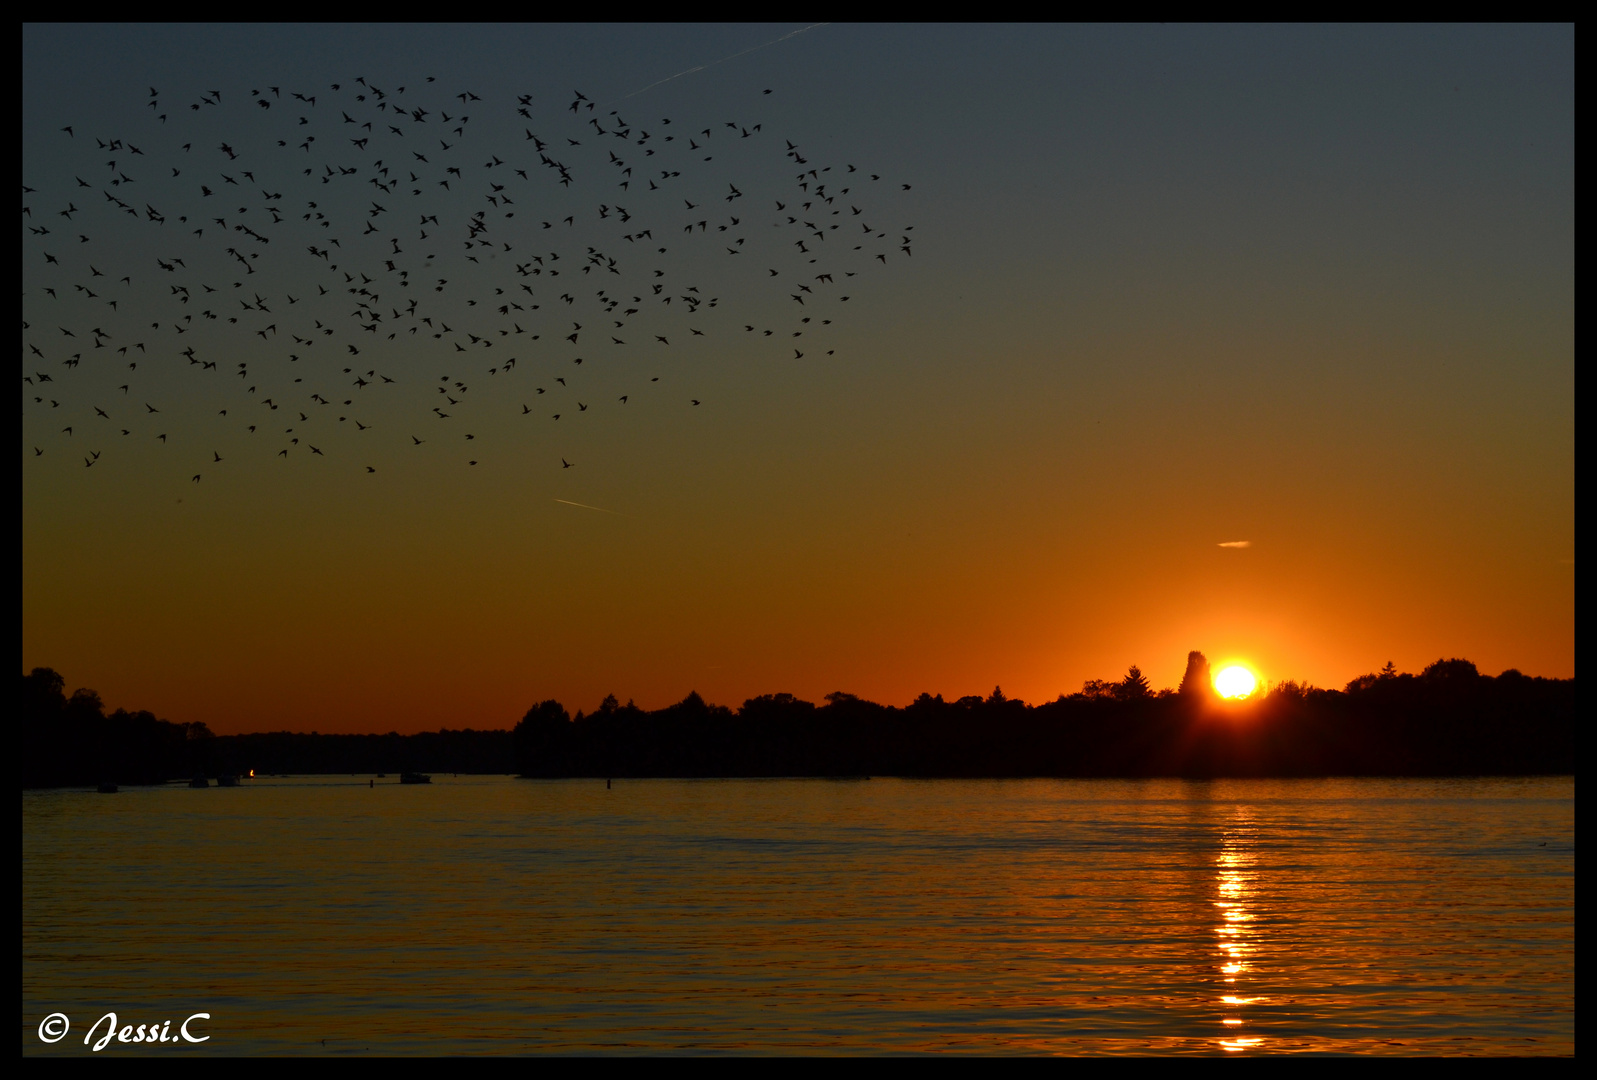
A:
(724, 59)
(585, 506)
(1237, 543)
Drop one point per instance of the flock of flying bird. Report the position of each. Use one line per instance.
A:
(329, 272)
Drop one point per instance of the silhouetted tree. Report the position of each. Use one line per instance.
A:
(768, 707)
(43, 692)
(1134, 687)
(1451, 670)
(542, 740)
(1363, 682)
(46, 744)
(1197, 683)
(201, 746)
(1096, 689)
(693, 705)
(70, 741)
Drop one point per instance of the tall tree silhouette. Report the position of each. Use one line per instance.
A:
(1196, 683)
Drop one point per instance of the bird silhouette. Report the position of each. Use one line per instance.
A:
(321, 208)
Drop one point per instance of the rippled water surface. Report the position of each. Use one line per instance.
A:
(492, 915)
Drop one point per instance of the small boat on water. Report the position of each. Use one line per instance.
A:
(382, 776)
(415, 778)
(226, 781)
(199, 781)
(107, 789)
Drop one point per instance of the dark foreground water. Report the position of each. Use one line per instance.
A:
(492, 915)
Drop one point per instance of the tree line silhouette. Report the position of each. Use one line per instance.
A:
(70, 740)
(1448, 720)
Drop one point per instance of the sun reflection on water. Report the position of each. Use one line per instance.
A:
(1235, 885)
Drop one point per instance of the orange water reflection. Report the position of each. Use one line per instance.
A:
(1236, 905)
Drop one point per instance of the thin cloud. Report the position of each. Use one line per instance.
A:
(585, 506)
(724, 59)
(1237, 543)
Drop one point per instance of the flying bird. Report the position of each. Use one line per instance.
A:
(330, 210)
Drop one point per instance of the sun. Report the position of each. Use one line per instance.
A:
(1234, 682)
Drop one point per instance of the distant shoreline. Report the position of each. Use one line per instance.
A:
(361, 778)
(1448, 721)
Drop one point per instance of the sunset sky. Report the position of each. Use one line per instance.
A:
(1170, 289)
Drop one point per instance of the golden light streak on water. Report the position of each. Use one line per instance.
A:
(1235, 881)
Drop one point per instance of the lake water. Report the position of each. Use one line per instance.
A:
(477, 915)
